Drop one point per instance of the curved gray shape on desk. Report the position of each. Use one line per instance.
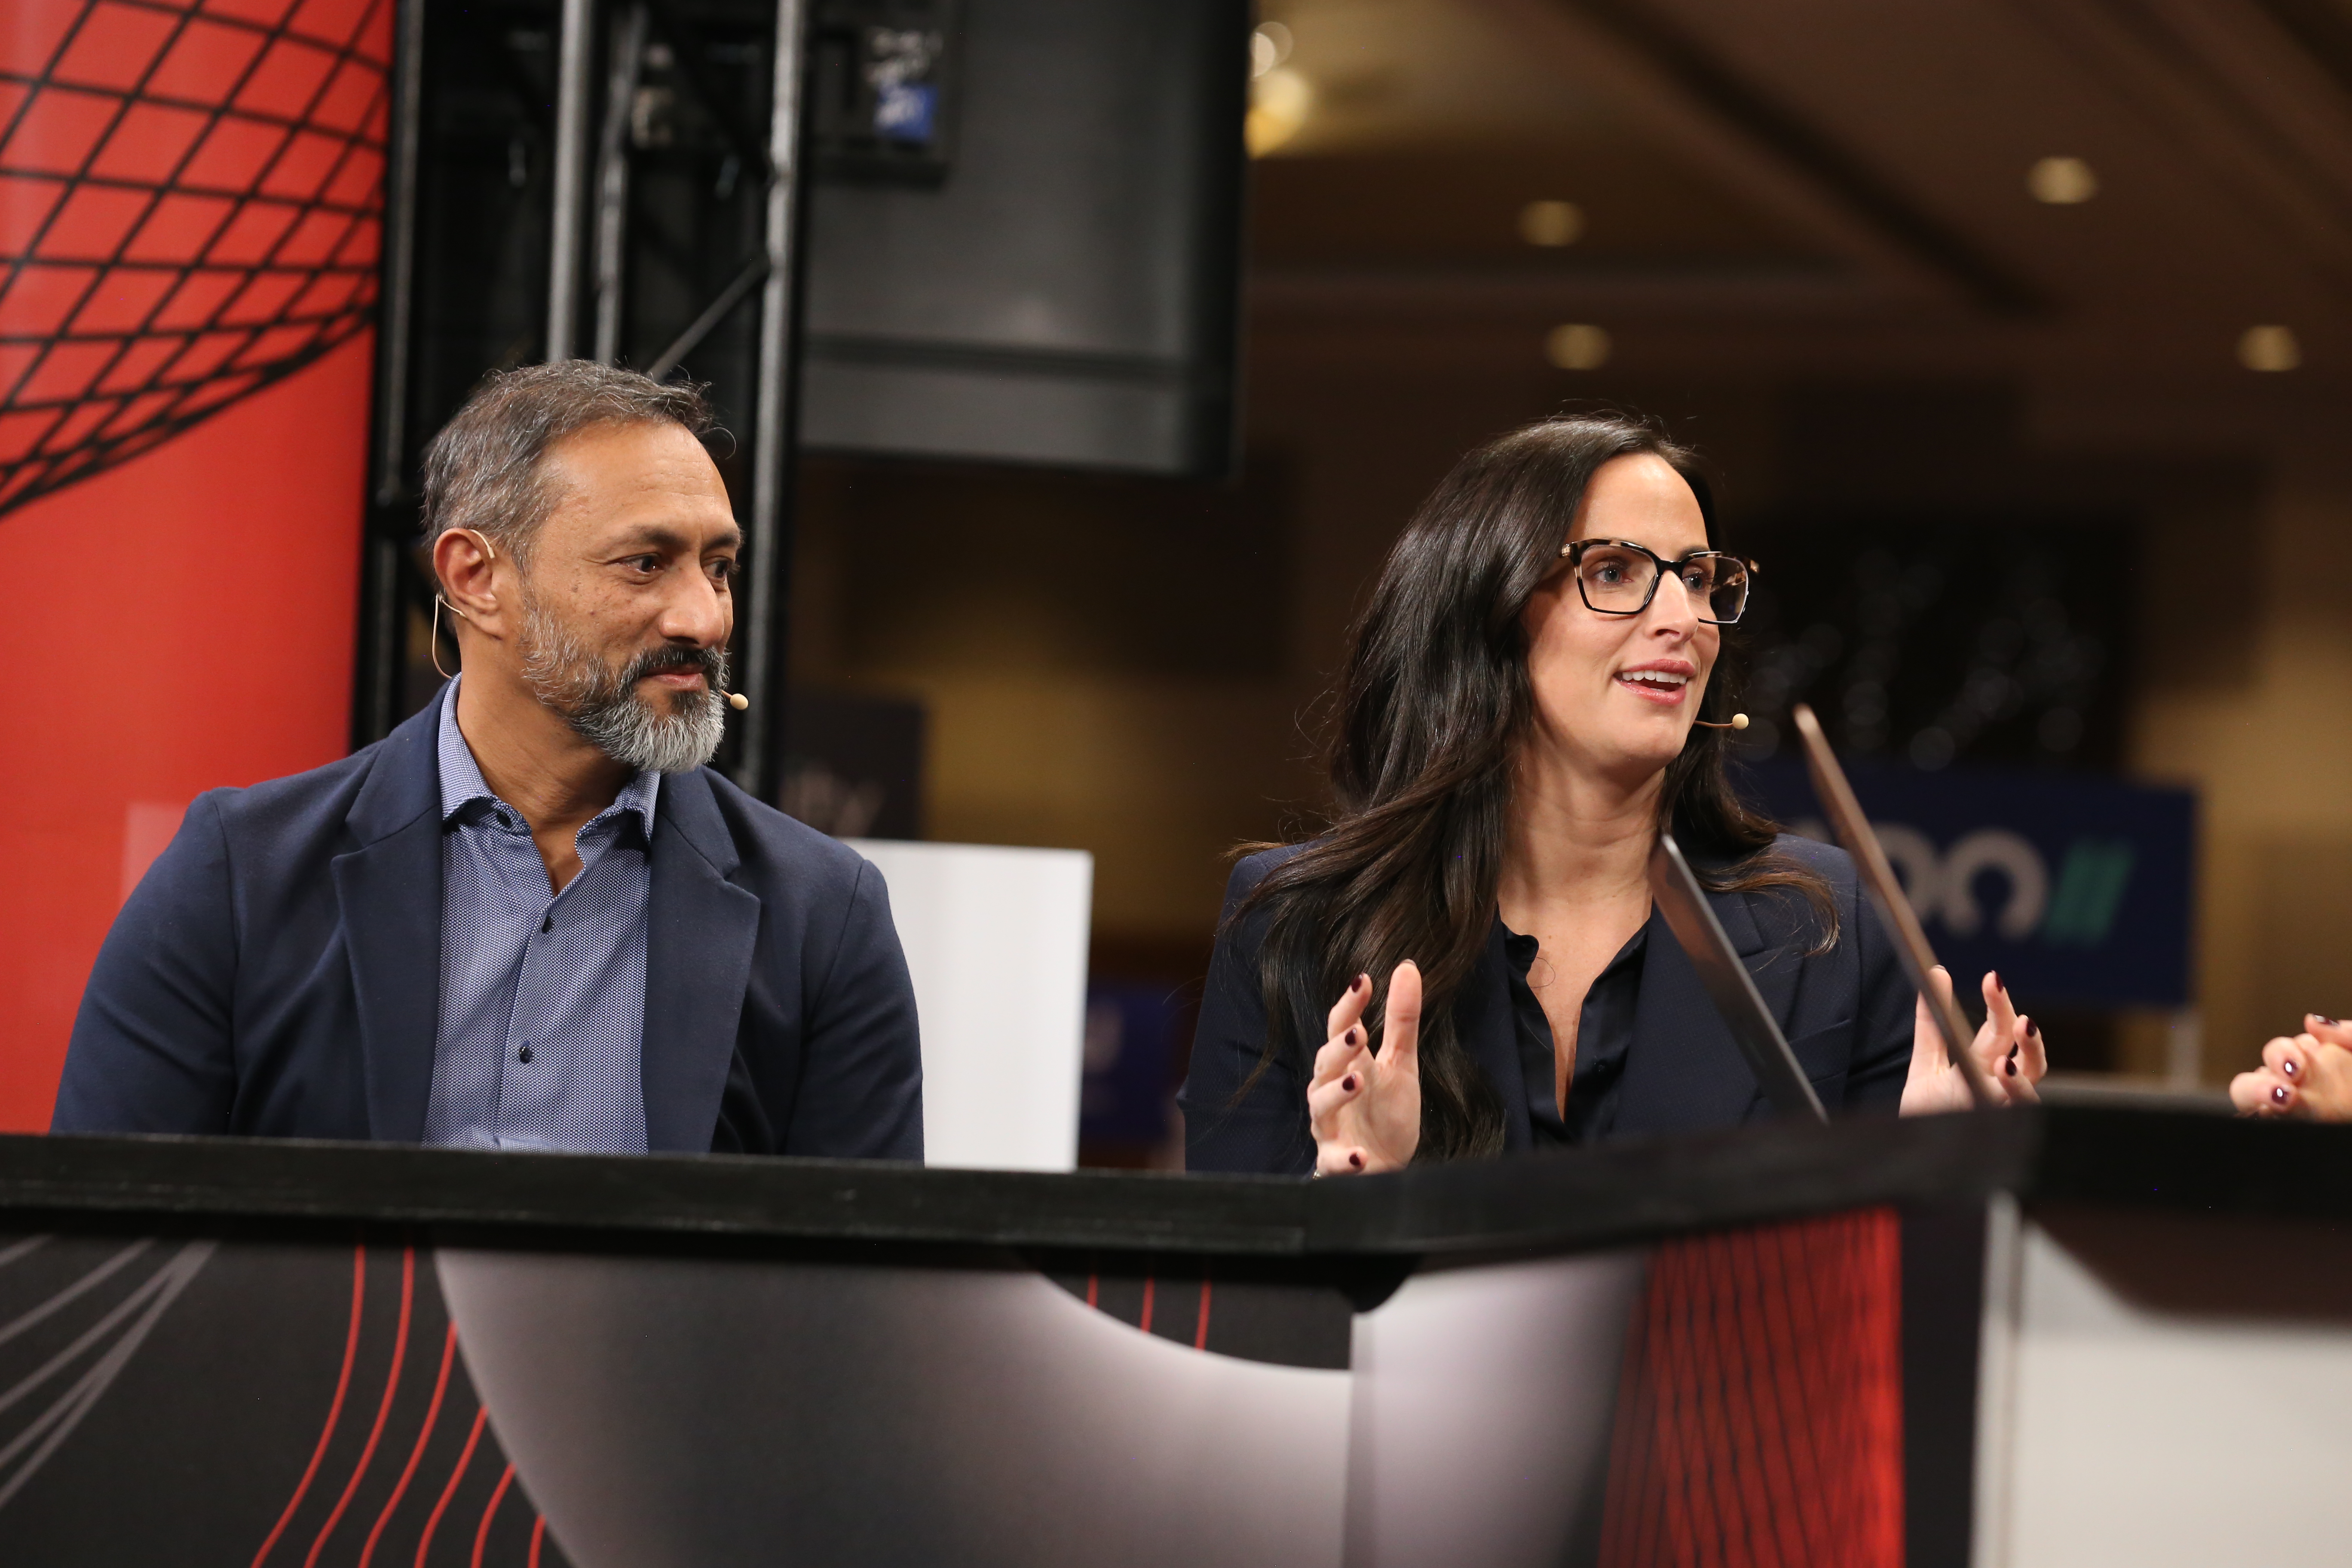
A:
(698, 1413)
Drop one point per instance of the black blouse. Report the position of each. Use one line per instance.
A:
(1654, 1056)
(1604, 1037)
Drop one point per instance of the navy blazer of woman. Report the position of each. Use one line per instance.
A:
(1847, 1014)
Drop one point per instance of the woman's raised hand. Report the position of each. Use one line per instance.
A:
(1365, 1110)
(2309, 1076)
(2009, 1048)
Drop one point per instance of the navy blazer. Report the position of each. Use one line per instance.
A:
(278, 974)
(1847, 1014)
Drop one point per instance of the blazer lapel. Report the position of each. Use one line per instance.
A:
(1685, 1071)
(701, 932)
(1775, 969)
(389, 892)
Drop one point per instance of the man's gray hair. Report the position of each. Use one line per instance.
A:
(483, 470)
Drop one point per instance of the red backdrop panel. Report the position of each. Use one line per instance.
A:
(190, 207)
(1759, 1415)
(190, 624)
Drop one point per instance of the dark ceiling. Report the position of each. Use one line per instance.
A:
(1830, 187)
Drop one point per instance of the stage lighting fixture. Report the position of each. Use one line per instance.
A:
(2062, 181)
(1579, 345)
(2268, 348)
(1551, 223)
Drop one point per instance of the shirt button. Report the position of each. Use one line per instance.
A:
(523, 1055)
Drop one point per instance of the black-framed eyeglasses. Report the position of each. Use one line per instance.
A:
(1618, 578)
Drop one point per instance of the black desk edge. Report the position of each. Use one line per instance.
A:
(1569, 1201)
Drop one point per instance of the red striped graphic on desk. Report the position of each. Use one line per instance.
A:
(453, 1502)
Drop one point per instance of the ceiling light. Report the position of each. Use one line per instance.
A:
(1551, 223)
(1269, 46)
(1579, 345)
(2062, 181)
(2268, 348)
(1280, 101)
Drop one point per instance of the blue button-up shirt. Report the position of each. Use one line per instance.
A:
(543, 994)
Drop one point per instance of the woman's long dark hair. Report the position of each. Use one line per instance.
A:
(1433, 706)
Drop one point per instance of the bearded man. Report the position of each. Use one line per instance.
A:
(531, 917)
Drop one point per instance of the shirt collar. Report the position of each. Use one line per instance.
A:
(1521, 950)
(462, 783)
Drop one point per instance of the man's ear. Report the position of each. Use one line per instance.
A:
(471, 575)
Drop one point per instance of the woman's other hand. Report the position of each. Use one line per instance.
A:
(2009, 1048)
(2309, 1076)
(1365, 1110)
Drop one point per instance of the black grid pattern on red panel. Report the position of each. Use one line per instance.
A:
(190, 200)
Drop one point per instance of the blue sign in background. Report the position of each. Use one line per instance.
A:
(2078, 889)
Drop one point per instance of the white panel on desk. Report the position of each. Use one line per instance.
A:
(2146, 1437)
(996, 941)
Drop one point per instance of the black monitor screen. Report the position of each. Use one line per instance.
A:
(1059, 283)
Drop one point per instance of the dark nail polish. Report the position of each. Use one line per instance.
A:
(1354, 1037)
(2278, 1095)
(2288, 1067)
(2322, 1018)
(1349, 1083)
(1355, 1162)
(2011, 1066)
(1358, 984)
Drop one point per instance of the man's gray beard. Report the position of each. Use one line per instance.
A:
(607, 710)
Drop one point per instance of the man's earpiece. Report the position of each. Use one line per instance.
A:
(489, 552)
(432, 643)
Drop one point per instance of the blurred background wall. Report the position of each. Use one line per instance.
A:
(2070, 273)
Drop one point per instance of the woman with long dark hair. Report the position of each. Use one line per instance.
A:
(1467, 962)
